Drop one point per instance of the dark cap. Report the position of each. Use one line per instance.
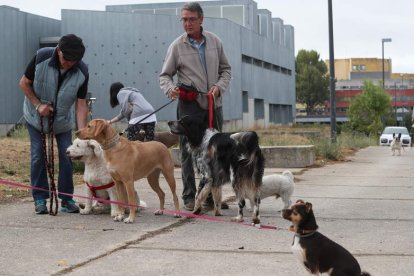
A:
(72, 47)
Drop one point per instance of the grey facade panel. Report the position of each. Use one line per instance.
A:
(20, 33)
(130, 47)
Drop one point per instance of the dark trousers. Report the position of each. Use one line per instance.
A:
(187, 171)
(134, 132)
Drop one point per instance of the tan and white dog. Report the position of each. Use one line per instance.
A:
(98, 181)
(128, 161)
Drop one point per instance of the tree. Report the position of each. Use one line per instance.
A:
(312, 80)
(369, 109)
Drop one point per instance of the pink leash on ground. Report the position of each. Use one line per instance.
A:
(173, 212)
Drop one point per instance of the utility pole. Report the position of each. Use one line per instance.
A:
(332, 74)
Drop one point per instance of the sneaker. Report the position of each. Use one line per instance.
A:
(40, 207)
(189, 206)
(69, 206)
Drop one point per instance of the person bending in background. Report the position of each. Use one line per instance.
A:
(135, 108)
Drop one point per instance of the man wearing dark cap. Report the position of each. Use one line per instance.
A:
(55, 79)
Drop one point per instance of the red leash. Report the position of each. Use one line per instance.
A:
(210, 109)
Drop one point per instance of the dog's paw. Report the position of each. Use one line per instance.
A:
(119, 217)
(256, 221)
(197, 211)
(177, 216)
(257, 225)
(158, 212)
(237, 219)
(218, 214)
(128, 220)
(99, 210)
(113, 214)
(85, 211)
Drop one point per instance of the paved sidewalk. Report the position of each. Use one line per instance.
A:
(366, 205)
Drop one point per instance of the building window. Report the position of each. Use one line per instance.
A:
(258, 109)
(359, 67)
(245, 101)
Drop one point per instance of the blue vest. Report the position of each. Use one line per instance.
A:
(46, 88)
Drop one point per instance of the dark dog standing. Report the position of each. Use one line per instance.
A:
(220, 158)
(318, 253)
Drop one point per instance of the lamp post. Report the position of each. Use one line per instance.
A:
(395, 102)
(332, 73)
(383, 68)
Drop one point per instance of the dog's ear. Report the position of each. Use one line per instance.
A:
(100, 127)
(300, 201)
(308, 206)
(399, 135)
(393, 135)
(94, 146)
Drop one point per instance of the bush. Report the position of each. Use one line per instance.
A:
(325, 149)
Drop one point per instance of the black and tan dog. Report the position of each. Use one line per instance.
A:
(316, 252)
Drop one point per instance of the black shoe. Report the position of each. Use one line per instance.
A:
(69, 206)
(209, 204)
(224, 206)
(189, 206)
(40, 207)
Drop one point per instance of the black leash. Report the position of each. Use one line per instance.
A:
(49, 162)
(155, 111)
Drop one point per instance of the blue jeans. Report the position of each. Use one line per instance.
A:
(38, 173)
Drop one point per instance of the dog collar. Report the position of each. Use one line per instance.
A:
(103, 187)
(306, 235)
(303, 233)
(112, 143)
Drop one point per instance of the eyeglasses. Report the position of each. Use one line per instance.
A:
(189, 19)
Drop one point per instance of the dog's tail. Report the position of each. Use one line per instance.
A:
(289, 174)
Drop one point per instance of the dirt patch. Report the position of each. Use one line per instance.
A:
(15, 167)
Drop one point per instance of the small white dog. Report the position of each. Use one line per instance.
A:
(97, 179)
(396, 144)
(278, 185)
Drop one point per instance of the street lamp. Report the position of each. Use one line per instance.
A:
(383, 69)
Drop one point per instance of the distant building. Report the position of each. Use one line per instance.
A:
(351, 73)
(128, 43)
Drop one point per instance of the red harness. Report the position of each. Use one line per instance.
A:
(103, 187)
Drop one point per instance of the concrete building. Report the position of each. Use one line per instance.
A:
(128, 43)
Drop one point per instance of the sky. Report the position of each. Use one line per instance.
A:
(359, 25)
